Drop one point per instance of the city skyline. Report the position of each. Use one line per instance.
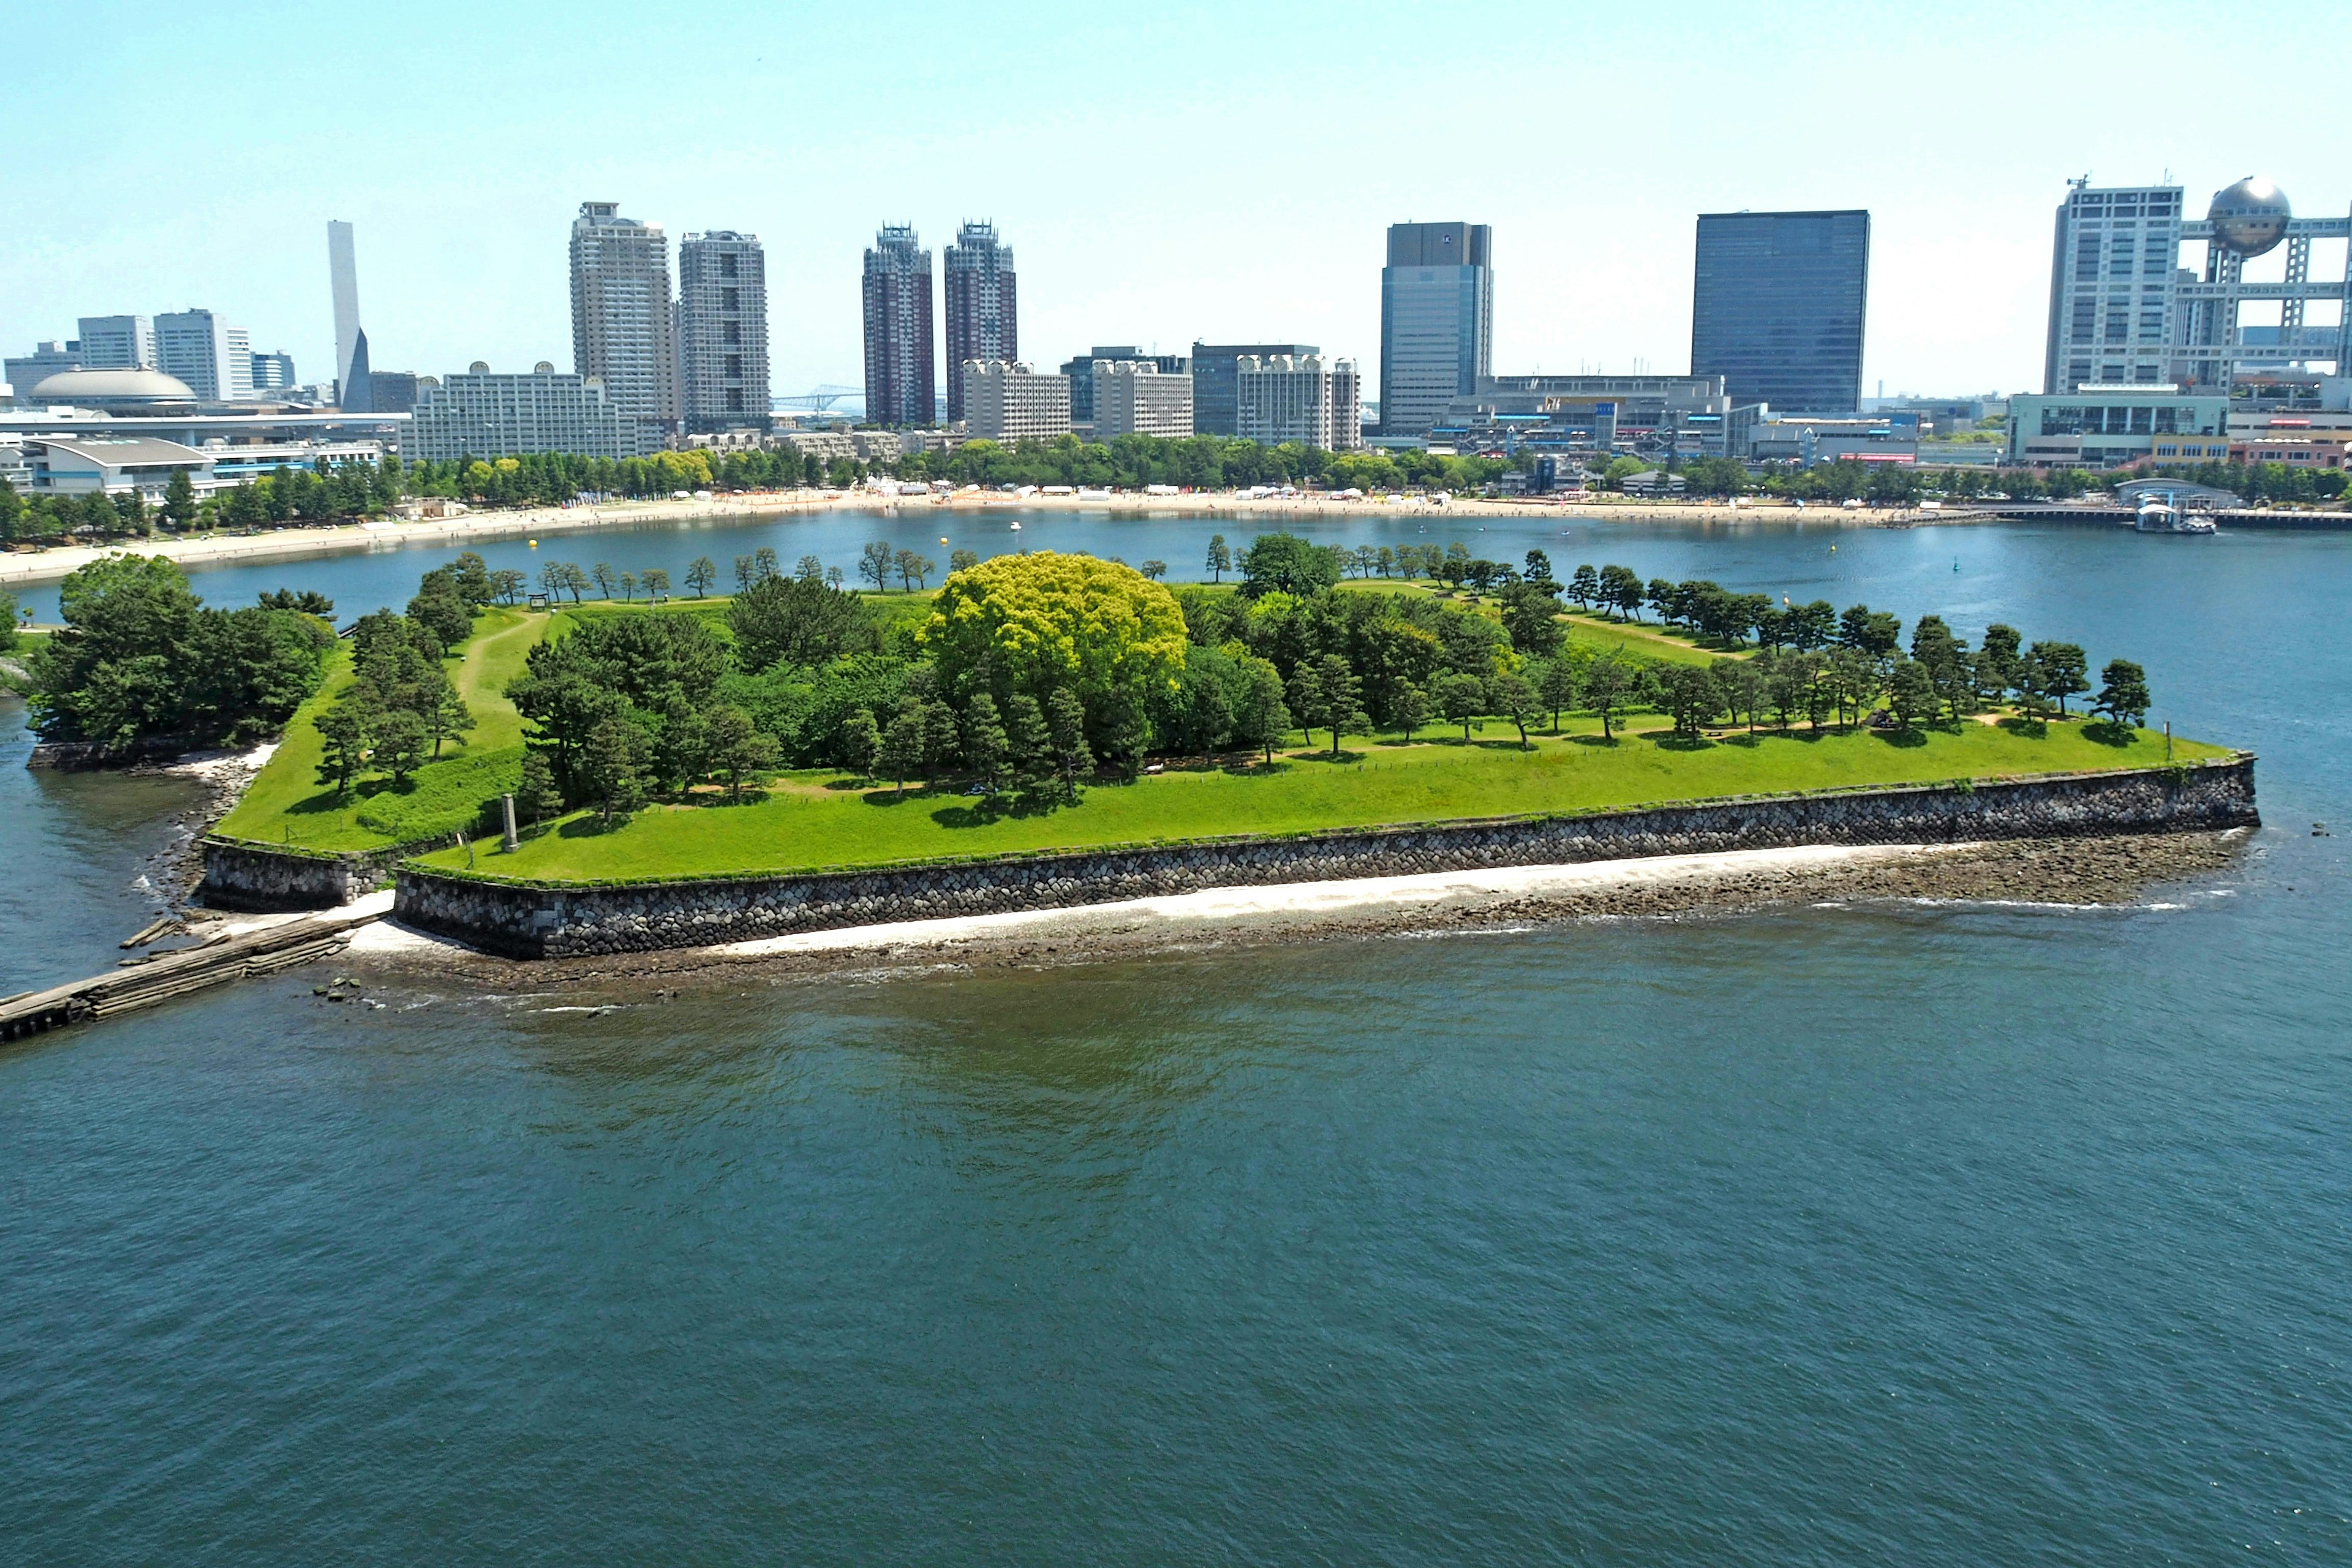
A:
(461, 267)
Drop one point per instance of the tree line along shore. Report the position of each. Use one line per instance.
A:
(1041, 701)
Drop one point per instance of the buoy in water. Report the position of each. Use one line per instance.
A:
(534, 545)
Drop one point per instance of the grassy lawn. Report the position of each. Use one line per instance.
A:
(1671, 645)
(285, 805)
(822, 819)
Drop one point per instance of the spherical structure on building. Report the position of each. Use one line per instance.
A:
(2250, 217)
(113, 386)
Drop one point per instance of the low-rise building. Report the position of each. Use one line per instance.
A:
(2116, 427)
(1138, 398)
(1304, 399)
(1081, 372)
(1008, 402)
(2302, 452)
(1595, 415)
(114, 464)
(487, 414)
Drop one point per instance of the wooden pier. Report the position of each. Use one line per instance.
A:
(148, 982)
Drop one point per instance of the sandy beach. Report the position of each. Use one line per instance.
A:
(2072, 872)
(298, 543)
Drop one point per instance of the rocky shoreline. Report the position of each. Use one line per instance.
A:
(2092, 871)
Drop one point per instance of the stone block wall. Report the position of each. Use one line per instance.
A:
(546, 920)
(255, 878)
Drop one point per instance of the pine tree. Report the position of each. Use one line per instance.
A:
(1065, 718)
(1030, 741)
(984, 741)
(861, 742)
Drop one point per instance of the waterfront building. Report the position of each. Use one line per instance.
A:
(900, 385)
(1081, 372)
(271, 372)
(480, 414)
(983, 321)
(25, 372)
(2111, 287)
(116, 464)
(1009, 402)
(622, 325)
(117, 342)
(214, 359)
(1777, 304)
(1437, 320)
(722, 330)
(1304, 399)
(2115, 426)
(1596, 416)
(1138, 398)
(1215, 391)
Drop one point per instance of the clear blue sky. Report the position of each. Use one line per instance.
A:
(1222, 171)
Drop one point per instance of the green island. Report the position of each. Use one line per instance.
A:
(1045, 701)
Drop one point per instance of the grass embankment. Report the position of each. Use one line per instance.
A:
(816, 820)
(287, 805)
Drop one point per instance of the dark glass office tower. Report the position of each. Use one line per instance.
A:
(1777, 308)
(1437, 320)
(1216, 386)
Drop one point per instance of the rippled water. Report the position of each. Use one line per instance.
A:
(1949, 1235)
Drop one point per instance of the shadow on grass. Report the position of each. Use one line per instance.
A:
(1905, 740)
(2031, 729)
(589, 827)
(2106, 732)
(1671, 742)
(986, 809)
(844, 784)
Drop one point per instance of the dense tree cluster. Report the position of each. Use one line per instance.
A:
(140, 656)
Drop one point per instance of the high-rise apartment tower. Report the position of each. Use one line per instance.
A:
(722, 330)
(622, 326)
(1777, 308)
(982, 321)
(1437, 320)
(900, 385)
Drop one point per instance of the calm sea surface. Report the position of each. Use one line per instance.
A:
(1897, 1235)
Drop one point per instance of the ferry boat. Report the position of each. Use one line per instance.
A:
(2162, 514)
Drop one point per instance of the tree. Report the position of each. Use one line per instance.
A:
(399, 748)
(1461, 698)
(655, 583)
(1623, 591)
(874, 565)
(551, 579)
(800, 621)
(611, 768)
(734, 747)
(345, 728)
(2122, 693)
(605, 578)
(765, 564)
(1029, 740)
(507, 585)
(2064, 671)
(941, 739)
(1538, 568)
(1065, 718)
(1910, 693)
(984, 739)
(1286, 563)
(1531, 615)
(1221, 558)
(682, 751)
(1514, 698)
(1873, 632)
(536, 796)
(1044, 622)
(701, 574)
(913, 570)
(743, 578)
(1994, 668)
(1691, 696)
(1584, 586)
(1408, 707)
(1854, 682)
(443, 712)
(1328, 694)
(1609, 683)
(1745, 684)
(959, 559)
(1558, 683)
(575, 579)
(1261, 717)
(902, 743)
(861, 742)
(179, 499)
(809, 569)
(1153, 571)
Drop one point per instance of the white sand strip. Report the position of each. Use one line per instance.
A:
(1324, 898)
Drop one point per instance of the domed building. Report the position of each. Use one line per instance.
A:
(112, 389)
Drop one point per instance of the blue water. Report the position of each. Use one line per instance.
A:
(1949, 1235)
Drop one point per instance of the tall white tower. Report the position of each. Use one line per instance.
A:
(350, 382)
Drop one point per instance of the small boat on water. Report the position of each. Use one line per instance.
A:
(2163, 515)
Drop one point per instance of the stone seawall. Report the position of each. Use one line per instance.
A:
(526, 921)
(255, 878)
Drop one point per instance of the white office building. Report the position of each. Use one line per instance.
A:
(1132, 398)
(117, 342)
(1009, 402)
(1306, 399)
(114, 464)
(624, 328)
(214, 358)
(487, 415)
(48, 359)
